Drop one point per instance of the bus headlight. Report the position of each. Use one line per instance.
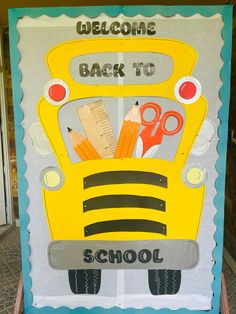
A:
(52, 178)
(56, 92)
(194, 175)
(187, 90)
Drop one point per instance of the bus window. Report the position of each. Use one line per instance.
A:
(121, 68)
(116, 109)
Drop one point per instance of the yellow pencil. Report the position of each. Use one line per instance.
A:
(135, 134)
(82, 146)
(129, 133)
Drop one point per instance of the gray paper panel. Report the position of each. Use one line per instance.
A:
(112, 68)
(34, 42)
(158, 254)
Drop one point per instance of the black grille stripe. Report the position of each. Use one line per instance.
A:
(126, 225)
(122, 177)
(113, 201)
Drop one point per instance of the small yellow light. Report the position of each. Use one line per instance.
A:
(52, 178)
(195, 176)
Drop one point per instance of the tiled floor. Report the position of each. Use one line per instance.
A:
(10, 272)
(230, 280)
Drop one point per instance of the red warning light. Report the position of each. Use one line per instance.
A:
(57, 92)
(187, 90)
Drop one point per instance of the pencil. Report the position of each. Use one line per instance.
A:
(82, 146)
(129, 133)
(135, 133)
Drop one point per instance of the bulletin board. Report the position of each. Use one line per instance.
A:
(121, 121)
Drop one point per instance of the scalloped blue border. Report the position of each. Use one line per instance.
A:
(14, 15)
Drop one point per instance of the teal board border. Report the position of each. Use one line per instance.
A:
(147, 11)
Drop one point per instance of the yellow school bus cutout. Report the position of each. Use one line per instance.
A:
(91, 228)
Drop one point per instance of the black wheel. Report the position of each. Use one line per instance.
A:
(164, 281)
(85, 281)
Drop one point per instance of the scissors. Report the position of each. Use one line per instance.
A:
(152, 134)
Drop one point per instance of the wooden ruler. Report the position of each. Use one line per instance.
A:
(97, 127)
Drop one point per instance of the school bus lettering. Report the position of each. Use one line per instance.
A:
(130, 256)
(115, 28)
(115, 70)
(106, 70)
(148, 69)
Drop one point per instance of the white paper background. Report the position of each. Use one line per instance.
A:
(122, 288)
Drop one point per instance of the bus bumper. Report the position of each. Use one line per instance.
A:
(148, 254)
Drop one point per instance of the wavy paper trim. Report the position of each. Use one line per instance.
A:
(114, 11)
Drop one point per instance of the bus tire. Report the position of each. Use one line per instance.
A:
(164, 281)
(85, 281)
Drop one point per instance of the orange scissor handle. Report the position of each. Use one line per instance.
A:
(148, 136)
(156, 108)
(166, 116)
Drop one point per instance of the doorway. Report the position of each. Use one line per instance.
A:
(6, 213)
(3, 214)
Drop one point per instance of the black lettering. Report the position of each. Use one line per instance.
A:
(105, 70)
(115, 256)
(83, 70)
(95, 28)
(151, 28)
(138, 66)
(149, 69)
(98, 256)
(117, 69)
(83, 28)
(104, 30)
(125, 28)
(144, 256)
(95, 70)
(130, 256)
(115, 28)
(156, 258)
(138, 29)
(88, 257)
